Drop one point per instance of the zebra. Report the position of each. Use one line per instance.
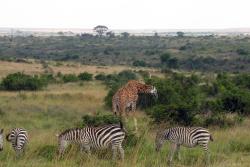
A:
(1, 139)
(94, 137)
(185, 136)
(19, 139)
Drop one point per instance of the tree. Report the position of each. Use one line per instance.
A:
(165, 57)
(110, 34)
(100, 29)
(180, 34)
(125, 34)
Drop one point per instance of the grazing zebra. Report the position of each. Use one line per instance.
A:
(94, 137)
(1, 139)
(19, 138)
(186, 136)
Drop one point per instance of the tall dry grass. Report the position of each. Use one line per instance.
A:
(47, 112)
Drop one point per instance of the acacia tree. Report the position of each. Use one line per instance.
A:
(125, 34)
(110, 34)
(100, 30)
(180, 34)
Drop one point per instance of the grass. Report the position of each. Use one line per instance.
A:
(50, 111)
(65, 68)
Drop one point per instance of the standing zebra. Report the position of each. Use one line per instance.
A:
(94, 137)
(1, 139)
(186, 136)
(19, 138)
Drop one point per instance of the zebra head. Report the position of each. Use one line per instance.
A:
(1, 139)
(154, 92)
(160, 139)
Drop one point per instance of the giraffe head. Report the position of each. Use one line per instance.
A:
(143, 88)
(153, 91)
(1, 139)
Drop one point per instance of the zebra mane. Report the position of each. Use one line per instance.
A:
(67, 131)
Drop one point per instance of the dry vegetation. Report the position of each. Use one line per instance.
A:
(34, 67)
(47, 112)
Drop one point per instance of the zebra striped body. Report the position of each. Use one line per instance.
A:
(185, 136)
(19, 138)
(1, 139)
(94, 137)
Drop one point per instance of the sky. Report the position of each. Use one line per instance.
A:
(125, 14)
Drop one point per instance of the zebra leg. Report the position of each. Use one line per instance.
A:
(207, 154)
(62, 146)
(114, 150)
(86, 148)
(171, 153)
(121, 152)
(178, 152)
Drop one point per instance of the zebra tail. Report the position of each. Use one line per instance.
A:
(7, 138)
(211, 138)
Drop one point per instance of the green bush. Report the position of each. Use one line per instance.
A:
(99, 120)
(69, 78)
(100, 77)
(20, 81)
(85, 76)
(139, 63)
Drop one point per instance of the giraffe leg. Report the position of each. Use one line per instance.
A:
(171, 153)
(135, 120)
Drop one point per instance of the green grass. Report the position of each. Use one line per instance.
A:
(48, 112)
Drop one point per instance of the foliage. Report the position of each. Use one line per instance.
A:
(99, 120)
(168, 61)
(180, 34)
(203, 53)
(139, 63)
(85, 76)
(100, 77)
(100, 29)
(183, 100)
(20, 81)
(69, 78)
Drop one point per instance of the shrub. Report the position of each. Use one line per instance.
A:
(20, 81)
(99, 120)
(85, 76)
(100, 77)
(242, 51)
(139, 63)
(69, 78)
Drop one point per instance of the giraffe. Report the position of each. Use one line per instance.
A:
(126, 97)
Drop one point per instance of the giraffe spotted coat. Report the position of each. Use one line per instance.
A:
(126, 97)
